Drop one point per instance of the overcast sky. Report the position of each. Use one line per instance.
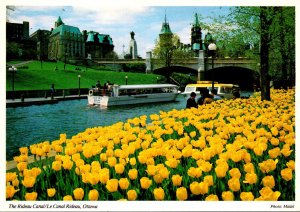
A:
(118, 21)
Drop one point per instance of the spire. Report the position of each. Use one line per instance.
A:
(165, 29)
(196, 21)
(58, 22)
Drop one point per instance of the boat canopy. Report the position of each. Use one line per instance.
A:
(145, 86)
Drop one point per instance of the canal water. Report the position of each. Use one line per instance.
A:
(38, 123)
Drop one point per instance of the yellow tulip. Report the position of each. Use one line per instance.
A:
(111, 161)
(132, 161)
(221, 171)
(159, 193)
(194, 172)
(268, 165)
(103, 157)
(234, 172)
(11, 176)
(234, 184)
(51, 192)
(249, 168)
(56, 165)
(250, 178)
(145, 182)
(181, 193)
(93, 195)
(31, 196)
(21, 166)
(10, 191)
(23, 150)
(132, 174)
(212, 197)
(15, 182)
(112, 185)
(176, 179)
(67, 164)
(291, 164)
(286, 152)
(227, 196)
(287, 174)
(67, 198)
(274, 153)
(246, 196)
(123, 183)
(209, 180)
(268, 181)
(164, 172)
(268, 195)
(131, 195)
(119, 168)
(28, 182)
(78, 193)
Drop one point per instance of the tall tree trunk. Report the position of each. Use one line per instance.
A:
(283, 51)
(264, 54)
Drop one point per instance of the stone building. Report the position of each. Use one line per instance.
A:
(97, 46)
(41, 37)
(65, 42)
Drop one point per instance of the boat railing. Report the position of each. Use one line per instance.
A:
(100, 92)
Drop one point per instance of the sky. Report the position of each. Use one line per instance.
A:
(118, 21)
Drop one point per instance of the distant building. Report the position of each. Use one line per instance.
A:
(17, 32)
(97, 45)
(133, 47)
(166, 33)
(65, 42)
(41, 37)
(19, 45)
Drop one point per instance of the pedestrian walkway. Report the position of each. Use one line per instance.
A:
(41, 101)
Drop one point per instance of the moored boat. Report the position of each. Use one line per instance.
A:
(133, 94)
(223, 90)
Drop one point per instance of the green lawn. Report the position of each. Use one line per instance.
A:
(35, 78)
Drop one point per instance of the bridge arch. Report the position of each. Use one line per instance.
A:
(244, 77)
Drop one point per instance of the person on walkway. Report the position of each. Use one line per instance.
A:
(191, 102)
(52, 91)
(214, 95)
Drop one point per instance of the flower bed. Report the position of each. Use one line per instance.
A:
(241, 149)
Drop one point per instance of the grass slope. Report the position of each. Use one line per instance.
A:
(35, 78)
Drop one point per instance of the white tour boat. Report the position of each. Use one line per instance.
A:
(224, 90)
(133, 94)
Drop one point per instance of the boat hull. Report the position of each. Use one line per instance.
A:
(133, 99)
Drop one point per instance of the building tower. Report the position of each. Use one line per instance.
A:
(133, 47)
(58, 22)
(196, 35)
(165, 34)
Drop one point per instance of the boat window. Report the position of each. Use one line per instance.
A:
(189, 89)
(225, 90)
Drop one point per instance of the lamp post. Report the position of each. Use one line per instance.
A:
(13, 70)
(157, 80)
(212, 48)
(126, 79)
(199, 71)
(79, 85)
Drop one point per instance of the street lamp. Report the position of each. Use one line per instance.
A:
(126, 79)
(212, 48)
(79, 85)
(13, 70)
(199, 71)
(157, 80)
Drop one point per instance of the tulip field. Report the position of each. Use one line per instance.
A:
(236, 150)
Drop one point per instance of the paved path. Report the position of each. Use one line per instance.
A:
(19, 64)
(41, 101)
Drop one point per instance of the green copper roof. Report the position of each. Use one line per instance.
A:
(196, 21)
(65, 28)
(165, 29)
(101, 38)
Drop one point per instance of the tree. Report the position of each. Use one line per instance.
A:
(168, 50)
(271, 33)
